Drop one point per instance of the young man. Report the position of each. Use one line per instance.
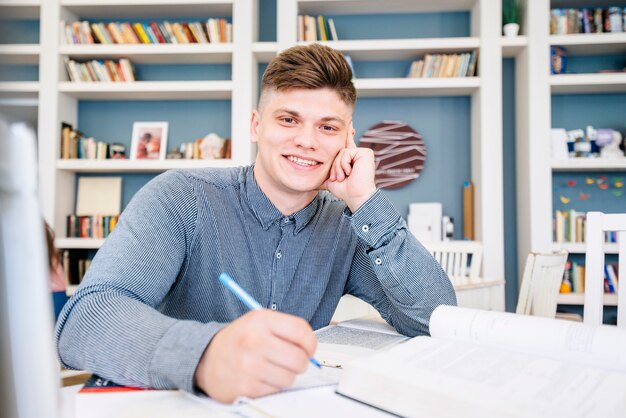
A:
(151, 310)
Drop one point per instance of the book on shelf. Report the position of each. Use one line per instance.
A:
(495, 364)
(213, 30)
(99, 196)
(75, 145)
(90, 226)
(444, 66)
(352, 339)
(587, 20)
(75, 265)
(574, 278)
(100, 70)
(316, 28)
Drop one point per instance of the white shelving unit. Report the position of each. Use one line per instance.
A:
(534, 88)
(61, 98)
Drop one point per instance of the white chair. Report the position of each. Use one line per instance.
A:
(541, 281)
(597, 224)
(462, 262)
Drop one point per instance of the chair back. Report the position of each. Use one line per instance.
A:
(540, 284)
(461, 260)
(597, 224)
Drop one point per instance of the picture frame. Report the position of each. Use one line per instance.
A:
(149, 141)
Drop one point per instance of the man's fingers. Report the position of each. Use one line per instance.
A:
(294, 330)
(350, 139)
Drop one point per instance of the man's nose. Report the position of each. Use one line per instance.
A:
(306, 137)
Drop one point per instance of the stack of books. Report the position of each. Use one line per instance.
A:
(566, 21)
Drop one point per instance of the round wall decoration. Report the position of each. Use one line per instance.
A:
(399, 153)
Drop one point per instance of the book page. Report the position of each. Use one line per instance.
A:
(445, 378)
(339, 344)
(602, 346)
(313, 403)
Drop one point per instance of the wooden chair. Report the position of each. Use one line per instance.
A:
(540, 284)
(597, 224)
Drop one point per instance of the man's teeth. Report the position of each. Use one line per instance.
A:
(301, 161)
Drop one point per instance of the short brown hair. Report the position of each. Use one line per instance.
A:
(310, 67)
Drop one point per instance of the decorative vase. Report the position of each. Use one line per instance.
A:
(511, 29)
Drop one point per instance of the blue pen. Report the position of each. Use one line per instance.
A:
(248, 300)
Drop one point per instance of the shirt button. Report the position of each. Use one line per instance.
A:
(274, 307)
(378, 261)
(365, 228)
(278, 255)
(286, 220)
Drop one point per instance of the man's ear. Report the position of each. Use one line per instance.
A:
(255, 121)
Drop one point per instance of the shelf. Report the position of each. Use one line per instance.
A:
(579, 299)
(336, 7)
(20, 54)
(78, 243)
(511, 46)
(148, 8)
(588, 83)
(590, 164)
(407, 87)
(591, 43)
(148, 90)
(136, 166)
(153, 53)
(20, 9)
(579, 247)
(264, 51)
(18, 90)
(401, 49)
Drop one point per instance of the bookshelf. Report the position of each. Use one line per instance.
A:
(65, 101)
(536, 94)
(15, 51)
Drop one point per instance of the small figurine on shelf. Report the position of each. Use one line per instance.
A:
(609, 140)
(558, 60)
(117, 151)
(511, 17)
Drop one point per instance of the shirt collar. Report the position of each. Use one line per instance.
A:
(265, 211)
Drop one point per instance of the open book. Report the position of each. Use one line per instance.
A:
(356, 338)
(493, 364)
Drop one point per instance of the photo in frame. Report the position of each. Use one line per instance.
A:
(149, 141)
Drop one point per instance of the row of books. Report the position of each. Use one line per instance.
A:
(574, 278)
(214, 30)
(312, 28)
(74, 145)
(444, 65)
(74, 266)
(570, 226)
(96, 226)
(100, 71)
(565, 21)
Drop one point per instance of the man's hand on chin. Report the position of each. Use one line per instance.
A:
(351, 176)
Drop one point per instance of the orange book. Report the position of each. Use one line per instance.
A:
(222, 30)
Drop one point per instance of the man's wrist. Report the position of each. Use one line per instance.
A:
(355, 203)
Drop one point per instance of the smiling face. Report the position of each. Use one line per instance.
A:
(299, 133)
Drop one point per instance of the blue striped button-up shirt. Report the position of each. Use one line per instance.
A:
(151, 301)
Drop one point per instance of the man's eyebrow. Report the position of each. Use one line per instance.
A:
(294, 113)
